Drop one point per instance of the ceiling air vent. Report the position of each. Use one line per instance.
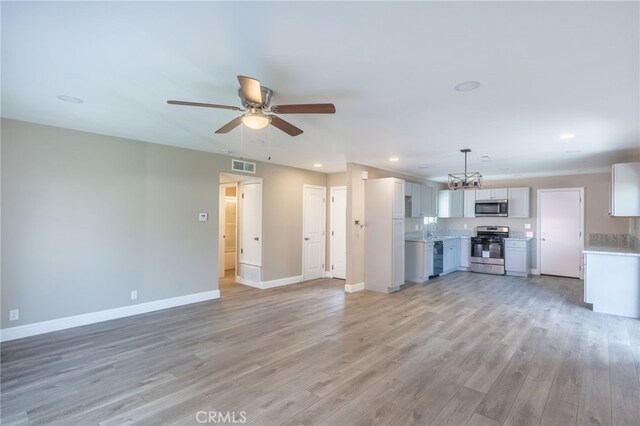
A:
(243, 166)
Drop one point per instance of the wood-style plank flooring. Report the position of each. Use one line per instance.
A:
(463, 349)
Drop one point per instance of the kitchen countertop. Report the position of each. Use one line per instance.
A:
(612, 250)
(519, 238)
(431, 239)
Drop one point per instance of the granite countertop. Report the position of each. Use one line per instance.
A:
(430, 239)
(616, 250)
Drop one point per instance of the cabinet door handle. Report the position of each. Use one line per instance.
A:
(256, 238)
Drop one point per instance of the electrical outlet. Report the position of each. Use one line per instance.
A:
(14, 315)
(465, 226)
(203, 217)
(134, 294)
(527, 226)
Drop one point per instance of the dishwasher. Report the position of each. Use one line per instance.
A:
(438, 258)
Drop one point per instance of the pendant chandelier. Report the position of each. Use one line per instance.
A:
(466, 180)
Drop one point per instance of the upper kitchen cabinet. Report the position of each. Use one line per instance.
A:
(398, 198)
(625, 189)
(492, 194)
(519, 203)
(429, 201)
(469, 203)
(450, 203)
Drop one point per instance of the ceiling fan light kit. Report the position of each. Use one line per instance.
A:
(257, 99)
(255, 120)
(466, 180)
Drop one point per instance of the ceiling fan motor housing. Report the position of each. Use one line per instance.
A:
(267, 94)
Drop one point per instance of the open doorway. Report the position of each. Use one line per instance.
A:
(228, 230)
(240, 232)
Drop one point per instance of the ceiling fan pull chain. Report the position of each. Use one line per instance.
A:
(269, 143)
(241, 142)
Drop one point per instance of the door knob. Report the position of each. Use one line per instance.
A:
(543, 239)
(306, 238)
(256, 238)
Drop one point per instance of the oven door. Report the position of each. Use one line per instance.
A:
(487, 252)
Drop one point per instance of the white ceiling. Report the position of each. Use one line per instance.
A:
(390, 69)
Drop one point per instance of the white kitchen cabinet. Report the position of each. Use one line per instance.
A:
(408, 189)
(469, 203)
(465, 253)
(384, 234)
(492, 194)
(429, 200)
(398, 198)
(516, 256)
(416, 192)
(451, 259)
(625, 190)
(519, 203)
(450, 203)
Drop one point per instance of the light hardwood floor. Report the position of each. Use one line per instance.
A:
(463, 349)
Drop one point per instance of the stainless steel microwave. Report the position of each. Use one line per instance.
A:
(492, 208)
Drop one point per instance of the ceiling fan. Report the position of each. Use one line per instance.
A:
(256, 101)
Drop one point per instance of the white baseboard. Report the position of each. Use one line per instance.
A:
(27, 330)
(263, 285)
(328, 274)
(352, 288)
(534, 271)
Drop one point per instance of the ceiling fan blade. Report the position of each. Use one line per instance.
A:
(304, 109)
(198, 104)
(251, 89)
(230, 125)
(285, 126)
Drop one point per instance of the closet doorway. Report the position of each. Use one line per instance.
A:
(228, 230)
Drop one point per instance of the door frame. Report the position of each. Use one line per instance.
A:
(324, 230)
(331, 242)
(539, 231)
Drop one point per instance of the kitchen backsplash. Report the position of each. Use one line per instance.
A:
(453, 233)
(613, 240)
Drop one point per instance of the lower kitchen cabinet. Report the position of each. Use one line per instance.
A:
(451, 260)
(418, 261)
(516, 256)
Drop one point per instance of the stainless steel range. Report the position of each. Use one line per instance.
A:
(487, 249)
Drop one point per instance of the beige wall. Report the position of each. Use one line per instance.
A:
(597, 219)
(634, 227)
(87, 218)
(355, 211)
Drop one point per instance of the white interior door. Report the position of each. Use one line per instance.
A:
(251, 223)
(313, 231)
(338, 241)
(561, 216)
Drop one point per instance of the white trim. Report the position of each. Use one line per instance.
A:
(534, 271)
(327, 274)
(539, 232)
(352, 288)
(263, 285)
(27, 330)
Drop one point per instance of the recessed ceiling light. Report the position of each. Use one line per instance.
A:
(317, 165)
(71, 99)
(394, 159)
(583, 170)
(566, 136)
(257, 141)
(467, 86)
(424, 166)
(226, 151)
(573, 151)
(504, 169)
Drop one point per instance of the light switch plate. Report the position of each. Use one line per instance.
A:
(203, 217)
(527, 226)
(465, 226)
(365, 174)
